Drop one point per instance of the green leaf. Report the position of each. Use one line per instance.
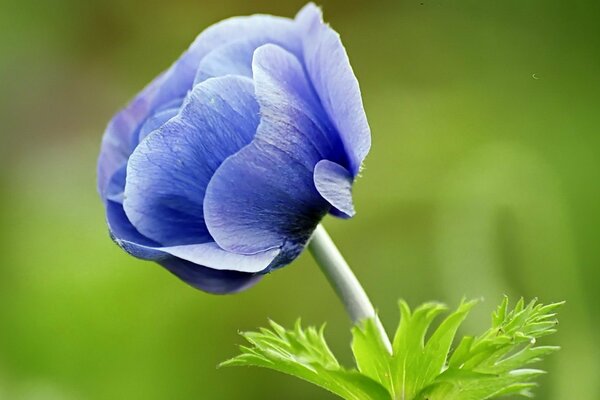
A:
(491, 364)
(422, 367)
(371, 354)
(304, 353)
(416, 362)
(469, 385)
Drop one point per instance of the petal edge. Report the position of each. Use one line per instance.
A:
(334, 183)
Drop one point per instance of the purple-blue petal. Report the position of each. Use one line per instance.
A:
(212, 255)
(120, 137)
(264, 196)
(116, 185)
(288, 104)
(180, 77)
(334, 183)
(156, 121)
(208, 279)
(262, 199)
(116, 142)
(329, 69)
(235, 58)
(231, 59)
(127, 237)
(213, 276)
(168, 172)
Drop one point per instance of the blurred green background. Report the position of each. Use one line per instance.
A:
(483, 179)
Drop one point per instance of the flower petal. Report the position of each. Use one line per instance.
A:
(210, 280)
(119, 135)
(180, 77)
(334, 183)
(212, 255)
(206, 267)
(156, 121)
(127, 237)
(116, 185)
(231, 59)
(261, 199)
(288, 104)
(264, 197)
(168, 172)
(329, 69)
(235, 58)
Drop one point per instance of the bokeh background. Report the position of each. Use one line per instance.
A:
(483, 179)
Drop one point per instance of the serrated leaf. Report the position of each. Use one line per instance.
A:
(491, 365)
(304, 353)
(483, 367)
(472, 386)
(438, 346)
(408, 362)
(371, 354)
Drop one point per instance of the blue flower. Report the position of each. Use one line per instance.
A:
(222, 167)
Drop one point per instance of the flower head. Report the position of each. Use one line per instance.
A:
(222, 167)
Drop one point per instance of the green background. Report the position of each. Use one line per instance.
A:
(483, 179)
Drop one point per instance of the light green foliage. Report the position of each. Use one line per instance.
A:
(489, 365)
(304, 353)
(422, 366)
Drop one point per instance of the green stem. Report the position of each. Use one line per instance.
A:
(343, 281)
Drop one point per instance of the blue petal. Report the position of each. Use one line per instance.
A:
(168, 172)
(334, 183)
(205, 254)
(329, 69)
(114, 190)
(116, 186)
(206, 267)
(116, 142)
(180, 77)
(288, 104)
(231, 59)
(212, 255)
(127, 237)
(210, 280)
(235, 58)
(156, 121)
(264, 197)
(120, 137)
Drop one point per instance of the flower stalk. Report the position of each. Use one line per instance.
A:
(344, 282)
